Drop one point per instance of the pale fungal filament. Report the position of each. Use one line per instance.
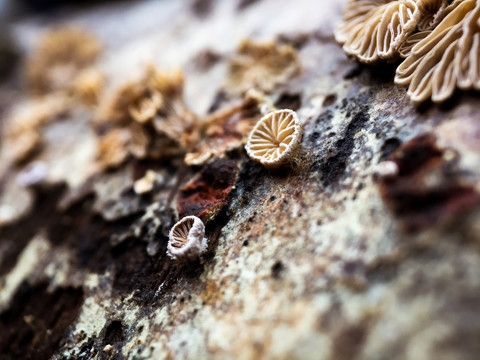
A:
(186, 240)
(275, 139)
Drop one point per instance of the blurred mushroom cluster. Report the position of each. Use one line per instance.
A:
(146, 117)
(60, 73)
(439, 40)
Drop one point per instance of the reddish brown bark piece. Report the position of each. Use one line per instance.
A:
(207, 193)
(429, 186)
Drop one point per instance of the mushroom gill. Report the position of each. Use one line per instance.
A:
(275, 139)
(186, 239)
(433, 11)
(445, 59)
(375, 29)
(147, 117)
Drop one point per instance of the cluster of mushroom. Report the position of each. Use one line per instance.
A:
(439, 39)
(274, 142)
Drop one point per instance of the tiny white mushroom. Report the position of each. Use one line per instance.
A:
(186, 240)
(275, 139)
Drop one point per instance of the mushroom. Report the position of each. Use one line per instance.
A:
(406, 49)
(275, 139)
(374, 30)
(261, 65)
(227, 129)
(149, 118)
(386, 169)
(448, 57)
(60, 56)
(146, 107)
(186, 240)
(433, 11)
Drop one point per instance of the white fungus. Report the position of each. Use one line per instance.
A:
(186, 240)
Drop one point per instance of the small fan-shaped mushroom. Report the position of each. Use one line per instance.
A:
(186, 239)
(275, 139)
(375, 29)
(448, 57)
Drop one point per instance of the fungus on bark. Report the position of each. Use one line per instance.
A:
(145, 108)
(152, 111)
(226, 129)
(88, 85)
(261, 65)
(375, 30)
(433, 11)
(24, 122)
(447, 58)
(60, 56)
(186, 240)
(275, 139)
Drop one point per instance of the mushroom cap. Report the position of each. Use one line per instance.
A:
(186, 239)
(275, 139)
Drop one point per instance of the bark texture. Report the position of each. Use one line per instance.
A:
(324, 260)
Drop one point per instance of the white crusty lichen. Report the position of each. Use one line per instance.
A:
(186, 240)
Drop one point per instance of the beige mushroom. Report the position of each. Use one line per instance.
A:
(448, 57)
(186, 240)
(261, 65)
(374, 30)
(433, 11)
(275, 139)
(146, 107)
(406, 49)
